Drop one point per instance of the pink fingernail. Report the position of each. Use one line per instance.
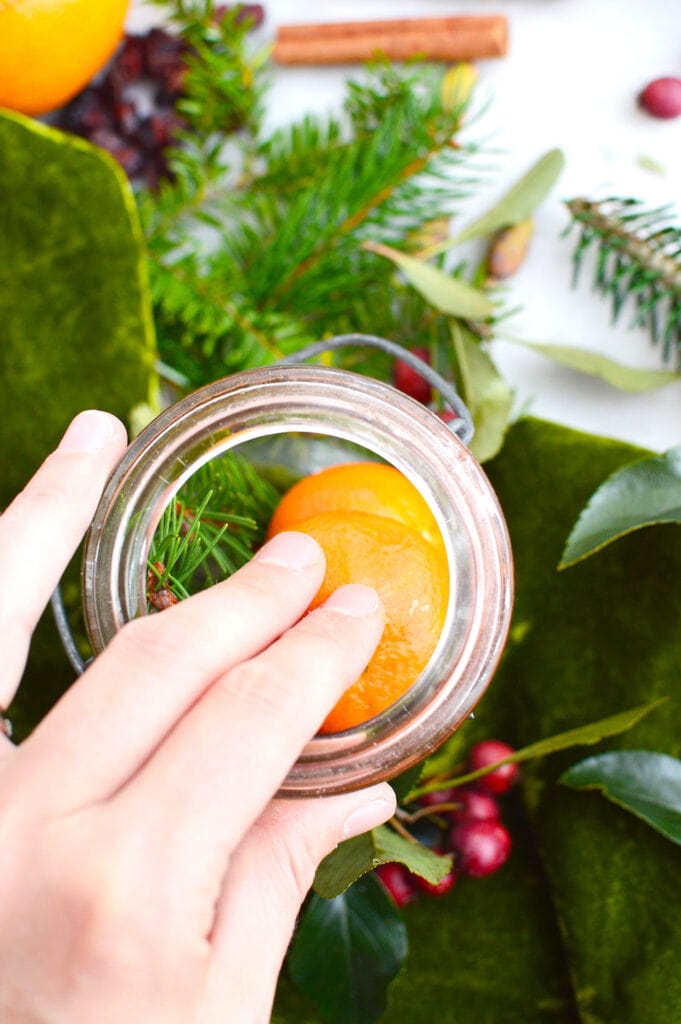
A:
(293, 551)
(90, 431)
(355, 600)
(367, 816)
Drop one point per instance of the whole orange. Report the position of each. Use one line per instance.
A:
(356, 487)
(412, 578)
(50, 49)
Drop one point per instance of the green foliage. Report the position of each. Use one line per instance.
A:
(354, 858)
(74, 306)
(637, 260)
(346, 950)
(640, 781)
(646, 493)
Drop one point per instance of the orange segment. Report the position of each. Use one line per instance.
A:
(356, 487)
(50, 49)
(412, 579)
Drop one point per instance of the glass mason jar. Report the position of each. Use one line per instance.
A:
(310, 416)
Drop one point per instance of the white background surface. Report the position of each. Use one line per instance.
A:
(571, 78)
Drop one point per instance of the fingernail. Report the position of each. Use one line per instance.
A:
(90, 431)
(367, 816)
(294, 551)
(354, 599)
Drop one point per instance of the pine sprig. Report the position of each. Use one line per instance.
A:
(638, 260)
(210, 529)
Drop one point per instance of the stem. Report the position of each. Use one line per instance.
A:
(401, 830)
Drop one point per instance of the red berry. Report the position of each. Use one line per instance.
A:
(662, 97)
(436, 888)
(489, 752)
(440, 796)
(480, 847)
(399, 883)
(409, 381)
(474, 803)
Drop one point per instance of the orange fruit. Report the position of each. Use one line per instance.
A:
(356, 487)
(412, 578)
(50, 49)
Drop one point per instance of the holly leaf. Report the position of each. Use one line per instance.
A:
(644, 493)
(583, 735)
(625, 378)
(485, 392)
(520, 201)
(449, 294)
(643, 782)
(346, 952)
(355, 857)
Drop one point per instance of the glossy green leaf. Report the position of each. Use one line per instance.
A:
(520, 201)
(355, 857)
(76, 318)
(641, 781)
(643, 494)
(625, 378)
(583, 735)
(347, 950)
(485, 392)
(448, 294)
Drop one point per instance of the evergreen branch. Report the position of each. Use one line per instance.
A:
(637, 259)
(211, 528)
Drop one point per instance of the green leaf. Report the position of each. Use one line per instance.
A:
(642, 494)
(485, 392)
(449, 294)
(640, 781)
(583, 735)
(74, 304)
(355, 857)
(520, 201)
(346, 952)
(625, 378)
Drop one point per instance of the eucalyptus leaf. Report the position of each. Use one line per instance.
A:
(353, 858)
(625, 378)
(485, 392)
(450, 295)
(520, 201)
(583, 735)
(347, 950)
(645, 493)
(641, 781)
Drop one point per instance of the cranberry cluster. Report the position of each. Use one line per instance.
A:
(473, 832)
(131, 109)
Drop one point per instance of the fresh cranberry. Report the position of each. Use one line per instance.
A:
(480, 847)
(409, 381)
(436, 888)
(489, 752)
(662, 97)
(474, 803)
(399, 883)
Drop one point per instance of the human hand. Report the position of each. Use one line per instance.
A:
(146, 874)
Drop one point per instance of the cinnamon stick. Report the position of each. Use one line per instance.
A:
(466, 37)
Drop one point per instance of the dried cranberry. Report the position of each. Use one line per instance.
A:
(87, 113)
(475, 804)
(255, 13)
(164, 54)
(480, 847)
(399, 883)
(130, 158)
(489, 752)
(662, 97)
(410, 381)
(130, 62)
(436, 888)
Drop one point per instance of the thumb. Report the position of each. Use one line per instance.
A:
(269, 876)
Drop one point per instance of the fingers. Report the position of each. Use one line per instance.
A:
(227, 757)
(110, 722)
(269, 875)
(42, 528)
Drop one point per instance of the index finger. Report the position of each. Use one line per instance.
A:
(41, 529)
